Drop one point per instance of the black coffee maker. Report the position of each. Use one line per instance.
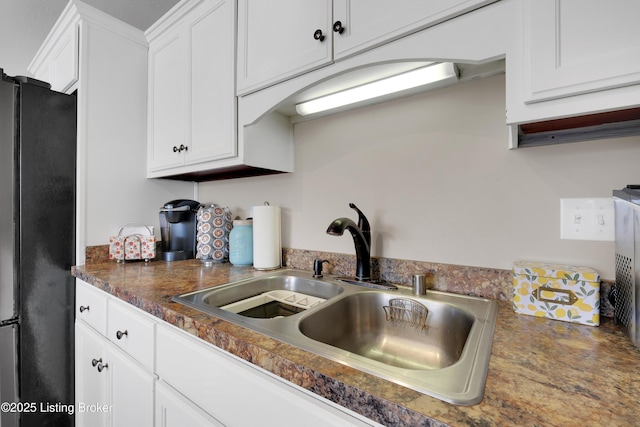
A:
(178, 229)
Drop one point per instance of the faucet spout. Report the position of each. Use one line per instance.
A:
(361, 240)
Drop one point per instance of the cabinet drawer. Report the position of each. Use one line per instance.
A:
(213, 379)
(91, 306)
(131, 331)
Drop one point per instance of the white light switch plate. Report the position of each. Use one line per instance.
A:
(587, 219)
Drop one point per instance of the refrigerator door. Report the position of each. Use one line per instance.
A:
(8, 380)
(7, 196)
(47, 168)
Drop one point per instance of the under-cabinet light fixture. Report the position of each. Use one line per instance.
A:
(437, 73)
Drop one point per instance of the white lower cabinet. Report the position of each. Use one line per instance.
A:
(111, 388)
(131, 396)
(133, 369)
(91, 384)
(236, 392)
(174, 410)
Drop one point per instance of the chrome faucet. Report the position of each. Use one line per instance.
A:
(361, 238)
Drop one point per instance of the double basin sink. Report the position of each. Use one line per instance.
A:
(438, 344)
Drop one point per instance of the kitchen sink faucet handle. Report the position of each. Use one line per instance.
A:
(317, 267)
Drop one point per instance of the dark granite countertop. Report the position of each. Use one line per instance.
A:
(541, 373)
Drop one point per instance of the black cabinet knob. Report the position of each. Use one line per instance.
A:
(95, 362)
(101, 367)
(120, 334)
(180, 149)
(318, 35)
(84, 308)
(338, 28)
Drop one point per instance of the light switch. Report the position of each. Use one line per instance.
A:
(587, 219)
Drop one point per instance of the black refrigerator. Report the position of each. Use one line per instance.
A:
(37, 250)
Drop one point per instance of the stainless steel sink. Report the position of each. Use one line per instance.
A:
(438, 344)
(285, 280)
(359, 324)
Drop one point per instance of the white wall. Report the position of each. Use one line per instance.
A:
(435, 178)
(24, 24)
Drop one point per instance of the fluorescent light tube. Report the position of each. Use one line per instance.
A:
(408, 80)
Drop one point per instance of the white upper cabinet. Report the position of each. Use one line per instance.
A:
(578, 46)
(367, 23)
(192, 114)
(167, 116)
(573, 57)
(192, 108)
(281, 39)
(59, 66)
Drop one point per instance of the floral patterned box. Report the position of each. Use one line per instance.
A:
(560, 292)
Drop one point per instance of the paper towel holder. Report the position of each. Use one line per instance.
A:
(267, 239)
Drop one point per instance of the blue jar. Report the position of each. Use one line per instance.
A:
(241, 242)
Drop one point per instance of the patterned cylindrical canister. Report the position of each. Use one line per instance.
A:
(214, 226)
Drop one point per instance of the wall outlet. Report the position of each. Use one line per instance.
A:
(587, 219)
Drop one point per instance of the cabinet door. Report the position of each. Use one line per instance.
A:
(369, 23)
(173, 410)
(57, 61)
(212, 133)
(64, 61)
(167, 115)
(111, 388)
(92, 385)
(276, 40)
(131, 393)
(580, 46)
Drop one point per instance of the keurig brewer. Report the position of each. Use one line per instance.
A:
(178, 229)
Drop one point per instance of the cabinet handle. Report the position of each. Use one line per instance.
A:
(83, 308)
(101, 367)
(180, 149)
(338, 28)
(120, 334)
(94, 362)
(318, 35)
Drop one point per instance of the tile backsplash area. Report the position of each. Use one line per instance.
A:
(477, 281)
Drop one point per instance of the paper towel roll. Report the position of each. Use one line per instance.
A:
(267, 243)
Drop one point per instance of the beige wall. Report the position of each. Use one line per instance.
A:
(435, 178)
